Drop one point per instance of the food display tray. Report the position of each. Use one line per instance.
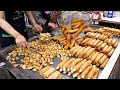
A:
(20, 73)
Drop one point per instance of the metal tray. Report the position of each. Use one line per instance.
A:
(104, 73)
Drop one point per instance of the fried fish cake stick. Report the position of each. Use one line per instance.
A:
(89, 52)
(69, 37)
(75, 74)
(85, 65)
(113, 41)
(76, 67)
(86, 40)
(74, 52)
(72, 49)
(115, 45)
(102, 60)
(104, 49)
(109, 49)
(44, 70)
(104, 64)
(99, 57)
(79, 76)
(78, 32)
(78, 25)
(78, 60)
(111, 52)
(67, 46)
(109, 41)
(92, 72)
(72, 31)
(85, 72)
(103, 45)
(91, 55)
(72, 42)
(67, 63)
(96, 75)
(75, 62)
(96, 42)
(54, 75)
(48, 72)
(62, 63)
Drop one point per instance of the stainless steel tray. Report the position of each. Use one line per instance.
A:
(104, 73)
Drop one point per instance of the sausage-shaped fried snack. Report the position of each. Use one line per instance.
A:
(114, 41)
(74, 63)
(62, 63)
(102, 60)
(85, 72)
(78, 25)
(81, 54)
(104, 64)
(72, 31)
(85, 65)
(97, 64)
(85, 51)
(106, 40)
(48, 73)
(54, 75)
(109, 49)
(99, 44)
(67, 64)
(99, 57)
(75, 51)
(79, 31)
(104, 49)
(69, 37)
(96, 75)
(79, 76)
(115, 45)
(93, 62)
(92, 72)
(91, 55)
(77, 67)
(90, 51)
(94, 56)
(75, 74)
(101, 37)
(103, 45)
(92, 43)
(60, 76)
(78, 41)
(96, 42)
(67, 46)
(86, 40)
(65, 32)
(72, 42)
(79, 51)
(72, 49)
(69, 73)
(44, 70)
(104, 37)
(97, 36)
(111, 52)
(67, 68)
(109, 41)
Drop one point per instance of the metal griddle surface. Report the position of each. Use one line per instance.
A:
(28, 74)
